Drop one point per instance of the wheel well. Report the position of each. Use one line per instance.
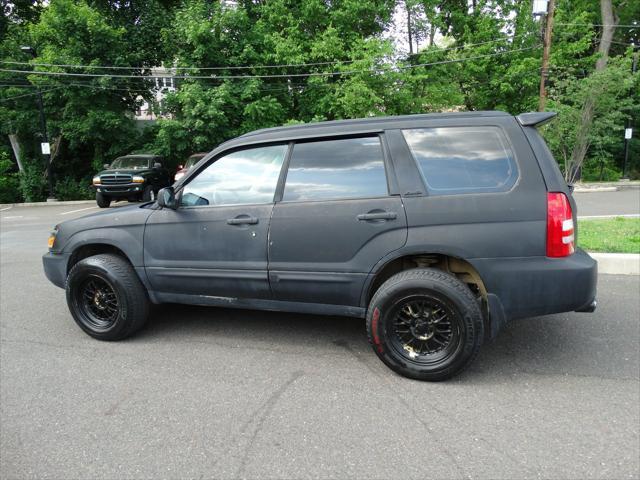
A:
(453, 265)
(86, 251)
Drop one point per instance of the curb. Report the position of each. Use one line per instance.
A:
(606, 186)
(617, 263)
(48, 204)
(595, 189)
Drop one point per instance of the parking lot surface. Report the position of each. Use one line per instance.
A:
(622, 202)
(216, 393)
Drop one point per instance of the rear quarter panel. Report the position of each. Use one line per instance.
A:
(476, 225)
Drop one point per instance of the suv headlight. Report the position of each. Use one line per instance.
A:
(137, 179)
(96, 180)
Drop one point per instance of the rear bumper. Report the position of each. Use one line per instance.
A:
(124, 190)
(526, 287)
(55, 267)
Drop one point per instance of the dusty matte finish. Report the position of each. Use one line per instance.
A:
(324, 256)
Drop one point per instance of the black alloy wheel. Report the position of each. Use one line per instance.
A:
(98, 302)
(425, 324)
(106, 297)
(425, 330)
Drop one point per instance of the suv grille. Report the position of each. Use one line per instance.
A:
(115, 179)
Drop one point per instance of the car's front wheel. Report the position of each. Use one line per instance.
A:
(103, 200)
(148, 195)
(106, 298)
(425, 324)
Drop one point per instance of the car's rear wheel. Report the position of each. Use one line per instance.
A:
(106, 298)
(425, 324)
(103, 200)
(148, 195)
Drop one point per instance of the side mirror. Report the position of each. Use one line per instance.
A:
(106, 166)
(167, 198)
(157, 165)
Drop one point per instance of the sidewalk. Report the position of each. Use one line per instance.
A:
(48, 204)
(606, 186)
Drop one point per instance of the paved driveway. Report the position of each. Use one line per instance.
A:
(231, 393)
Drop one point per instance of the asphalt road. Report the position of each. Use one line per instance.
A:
(215, 393)
(622, 202)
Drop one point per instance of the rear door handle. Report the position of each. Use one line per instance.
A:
(377, 216)
(242, 220)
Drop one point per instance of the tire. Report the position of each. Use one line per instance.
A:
(148, 195)
(106, 298)
(425, 324)
(102, 200)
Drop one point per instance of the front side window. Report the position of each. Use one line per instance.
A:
(336, 169)
(455, 160)
(243, 177)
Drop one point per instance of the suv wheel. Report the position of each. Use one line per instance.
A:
(425, 324)
(102, 200)
(148, 195)
(106, 298)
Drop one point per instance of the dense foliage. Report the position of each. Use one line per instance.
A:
(250, 64)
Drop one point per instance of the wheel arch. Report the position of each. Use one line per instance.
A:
(453, 264)
(89, 250)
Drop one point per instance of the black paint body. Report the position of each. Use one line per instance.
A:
(319, 257)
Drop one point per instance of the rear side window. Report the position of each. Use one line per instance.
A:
(456, 160)
(336, 169)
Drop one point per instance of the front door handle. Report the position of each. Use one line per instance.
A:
(242, 220)
(377, 216)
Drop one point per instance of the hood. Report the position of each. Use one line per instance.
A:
(126, 171)
(115, 220)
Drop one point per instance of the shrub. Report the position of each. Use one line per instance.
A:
(33, 185)
(69, 189)
(9, 183)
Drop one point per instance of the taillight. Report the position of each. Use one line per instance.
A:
(560, 239)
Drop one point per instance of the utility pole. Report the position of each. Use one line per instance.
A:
(544, 71)
(628, 130)
(409, 27)
(44, 145)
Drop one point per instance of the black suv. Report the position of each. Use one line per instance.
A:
(436, 228)
(132, 177)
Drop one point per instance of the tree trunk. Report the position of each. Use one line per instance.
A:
(17, 151)
(609, 22)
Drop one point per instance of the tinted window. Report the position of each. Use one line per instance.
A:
(463, 159)
(334, 169)
(242, 177)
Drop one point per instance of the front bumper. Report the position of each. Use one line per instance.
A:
(531, 286)
(122, 190)
(55, 267)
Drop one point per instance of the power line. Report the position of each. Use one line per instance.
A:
(30, 94)
(282, 75)
(597, 25)
(246, 67)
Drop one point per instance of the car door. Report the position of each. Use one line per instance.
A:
(335, 220)
(215, 243)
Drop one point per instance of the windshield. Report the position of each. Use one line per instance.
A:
(192, 160)
(131, 162)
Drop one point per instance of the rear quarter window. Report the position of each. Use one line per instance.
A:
(455, 160)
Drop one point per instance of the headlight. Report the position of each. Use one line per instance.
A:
(96, 180)
(52, 238)
(137, 179)
(178, 176)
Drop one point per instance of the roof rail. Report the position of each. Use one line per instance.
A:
(535, 119)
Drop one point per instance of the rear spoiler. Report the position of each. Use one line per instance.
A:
(535, 119)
